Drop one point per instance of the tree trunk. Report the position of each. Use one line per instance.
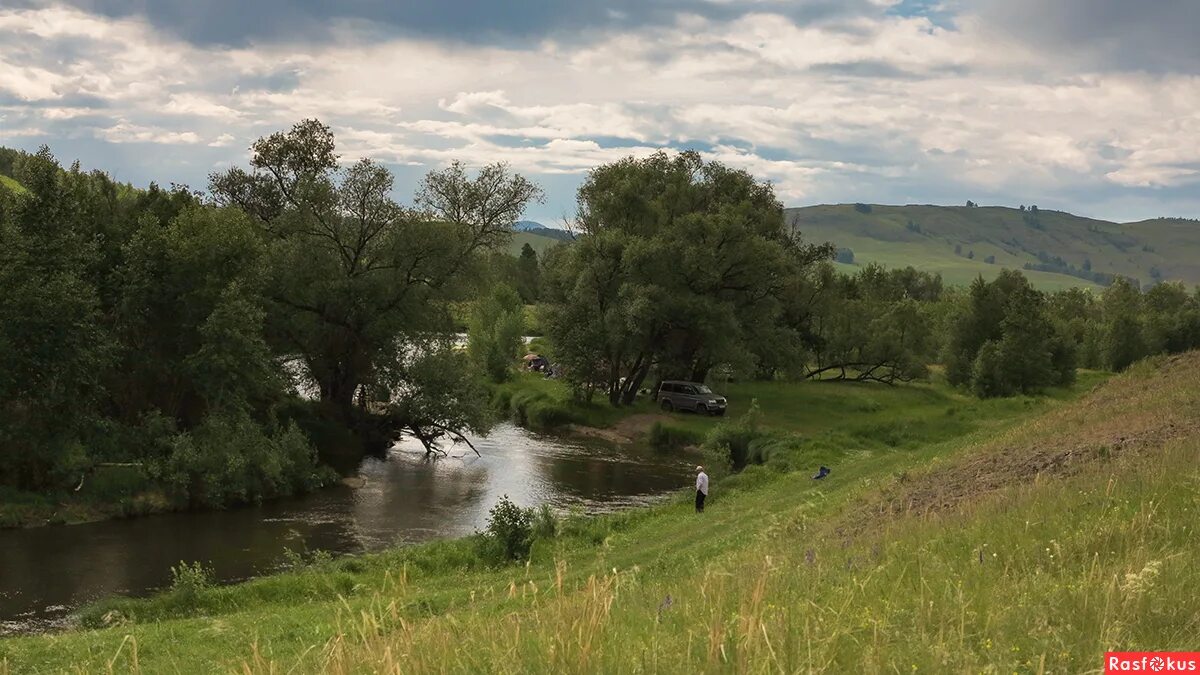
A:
(634, 382)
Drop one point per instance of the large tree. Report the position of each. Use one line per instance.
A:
(358, 278)
(680, 265)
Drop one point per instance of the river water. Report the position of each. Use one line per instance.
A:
(48, 572)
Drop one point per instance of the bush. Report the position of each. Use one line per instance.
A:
(509, 532)
(727, 445)
(666, 437)
(230, 459)
(189, 580)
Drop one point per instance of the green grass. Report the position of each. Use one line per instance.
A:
(911, 558)
(882, 236)
(538, 242)
(12, 185)
(805, 408)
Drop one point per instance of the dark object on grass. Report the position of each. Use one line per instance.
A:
(821, 473)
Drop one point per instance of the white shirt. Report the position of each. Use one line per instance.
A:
(702, 483)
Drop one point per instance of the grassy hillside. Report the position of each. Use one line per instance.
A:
(926, 237)
(1036, 536)
(11, 185)
(538, 242)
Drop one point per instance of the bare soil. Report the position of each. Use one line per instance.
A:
(628, 430)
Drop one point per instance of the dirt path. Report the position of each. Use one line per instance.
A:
(628, 430)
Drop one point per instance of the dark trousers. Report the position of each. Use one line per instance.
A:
(700, 501)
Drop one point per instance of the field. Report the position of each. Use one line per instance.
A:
(1026, 535)
(926, 237)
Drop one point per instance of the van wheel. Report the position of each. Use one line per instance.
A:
(666, 406)
(701, 409)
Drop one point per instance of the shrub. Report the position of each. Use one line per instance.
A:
(188, 580)
(509, 531)
(727, 445)
(230, 459)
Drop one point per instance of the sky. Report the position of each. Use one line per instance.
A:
(1088, 106)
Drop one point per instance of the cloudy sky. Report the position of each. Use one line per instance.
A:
(1091, 106)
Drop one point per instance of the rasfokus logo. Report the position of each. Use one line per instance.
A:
(1151, 662)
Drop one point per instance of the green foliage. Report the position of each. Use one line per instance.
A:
(666, 437)
(1003, 340)
(681, 263)
(528, 275)
(357, 278)
(229, 459)
(495, 331)
(727, 446)
(191, 579)
(875, 325)
(509, 533)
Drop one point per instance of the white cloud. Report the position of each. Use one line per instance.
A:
(818, 109)
(124, 132)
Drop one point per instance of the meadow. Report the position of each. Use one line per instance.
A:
(1014, 535)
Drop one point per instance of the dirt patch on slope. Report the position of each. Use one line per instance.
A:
(1135, 412)
(627, 430)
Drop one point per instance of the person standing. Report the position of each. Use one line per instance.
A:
(701, 488)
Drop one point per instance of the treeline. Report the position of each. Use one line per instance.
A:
(177, 335)
(684, 269)
(169, 333)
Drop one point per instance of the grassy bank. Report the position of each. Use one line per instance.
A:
(1029, 542)
(919, 412)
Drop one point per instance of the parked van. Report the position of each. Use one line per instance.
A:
(679, 395)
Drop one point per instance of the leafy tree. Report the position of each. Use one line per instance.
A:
(357, 278)
(681, 265)
(528, 275)
(875, 325)
(495, 330)
(53, 346)
(1004, 340)
(1172, 319)
(1123, 343)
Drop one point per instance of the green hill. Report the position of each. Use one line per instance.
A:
(539, 242)
(11, 185)
(1064, 250)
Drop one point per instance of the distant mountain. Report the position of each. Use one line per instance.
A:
(534, 227)
(1054, 248)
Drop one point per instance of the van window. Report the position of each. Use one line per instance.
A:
(689, 389)
(667, 387)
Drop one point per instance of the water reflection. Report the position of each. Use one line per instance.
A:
(407, 497)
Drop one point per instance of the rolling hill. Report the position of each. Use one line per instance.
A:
(1056, 249)
(540, 242)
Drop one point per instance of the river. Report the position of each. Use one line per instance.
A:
(48, 572)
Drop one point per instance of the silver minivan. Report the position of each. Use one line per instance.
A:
(679, 395)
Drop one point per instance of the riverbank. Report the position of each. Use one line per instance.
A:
(1040, 533)
(916, 412)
